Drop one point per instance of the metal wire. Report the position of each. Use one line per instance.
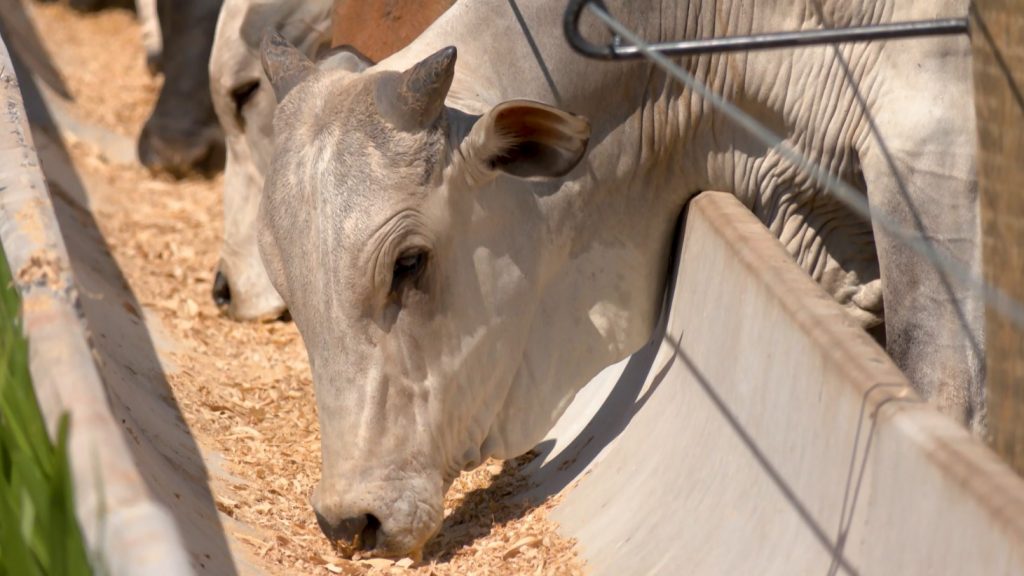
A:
(854, 199)
(797, 39)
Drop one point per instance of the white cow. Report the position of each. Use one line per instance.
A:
(245, 110)
(244, 102)
(461, 258)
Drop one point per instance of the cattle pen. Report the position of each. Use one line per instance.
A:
(194, 439)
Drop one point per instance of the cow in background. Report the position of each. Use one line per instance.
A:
(360, 31)
(244, 103)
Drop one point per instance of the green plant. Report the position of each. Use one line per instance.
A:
(38, 531)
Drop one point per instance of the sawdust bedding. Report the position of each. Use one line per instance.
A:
(244, 389)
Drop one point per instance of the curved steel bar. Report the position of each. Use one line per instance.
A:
(771, 40)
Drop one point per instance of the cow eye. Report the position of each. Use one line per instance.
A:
(241, 95)
(408, 268)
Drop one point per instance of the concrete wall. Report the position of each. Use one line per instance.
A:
(763, 433)
(127, 531)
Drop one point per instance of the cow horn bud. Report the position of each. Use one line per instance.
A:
(283, 63)
(414, 99)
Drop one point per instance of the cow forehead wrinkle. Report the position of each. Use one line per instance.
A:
(349, 101)
(358, 233)
(354, 191)
(369, 206)
(405, 228)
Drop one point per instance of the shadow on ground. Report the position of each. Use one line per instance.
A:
(483, 510)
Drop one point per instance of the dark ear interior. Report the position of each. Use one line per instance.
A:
(529, 139)
(285, 65)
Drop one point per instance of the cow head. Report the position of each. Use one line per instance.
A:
(407, 240)
(244, 101)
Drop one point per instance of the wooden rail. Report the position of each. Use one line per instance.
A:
(998, 41)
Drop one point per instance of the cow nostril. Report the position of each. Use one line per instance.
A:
(213, 160)
(368, 537)
(221, 290)
(359, 532)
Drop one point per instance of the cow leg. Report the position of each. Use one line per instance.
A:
(919, 167)
(933, 320)
(152, 39)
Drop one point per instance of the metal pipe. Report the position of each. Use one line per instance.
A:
(772, 40)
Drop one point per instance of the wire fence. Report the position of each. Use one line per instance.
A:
(855, 200)
(851, 197)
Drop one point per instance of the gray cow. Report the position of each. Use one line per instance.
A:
(244, 101)
(461, 258)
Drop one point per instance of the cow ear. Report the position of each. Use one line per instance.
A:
(285, 65)
(526, 139)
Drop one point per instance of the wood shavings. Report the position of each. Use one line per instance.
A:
(111, 86)
(526, 541)
(245, 390)
(42, 269)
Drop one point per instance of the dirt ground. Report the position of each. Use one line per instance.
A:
(245, 389)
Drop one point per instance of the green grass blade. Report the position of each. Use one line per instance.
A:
(39, 534)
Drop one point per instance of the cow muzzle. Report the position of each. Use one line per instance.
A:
(180, 153)
(247, 301)
(379, 520)
(357, 532)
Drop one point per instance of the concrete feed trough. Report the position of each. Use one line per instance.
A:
(758, 433)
